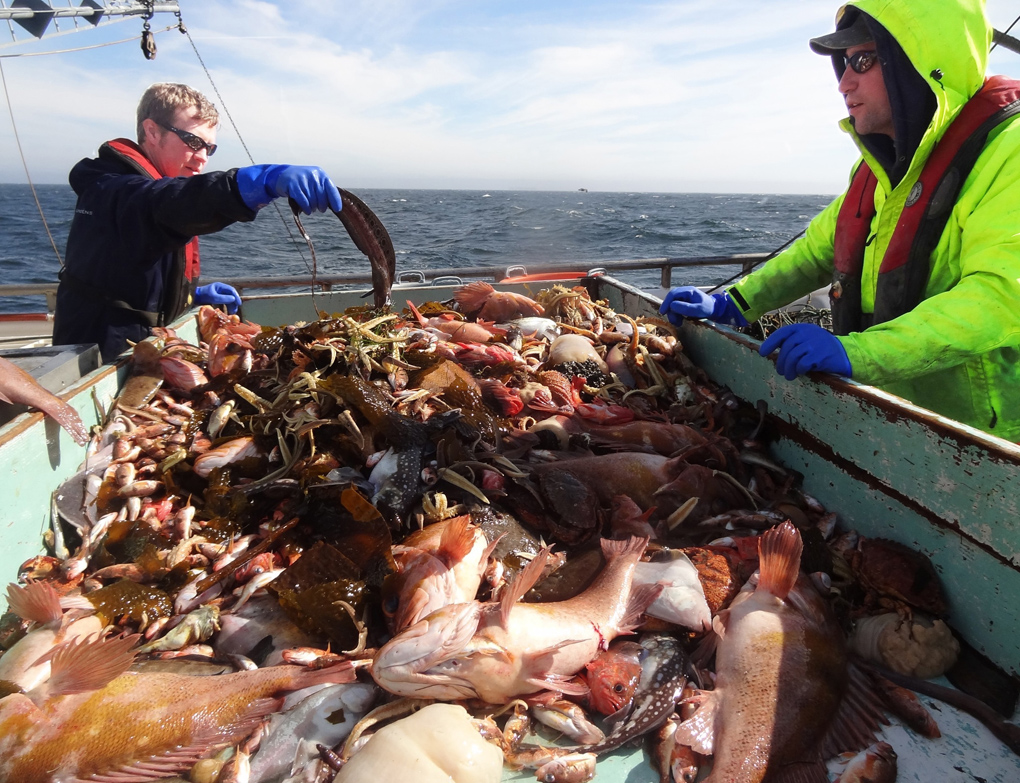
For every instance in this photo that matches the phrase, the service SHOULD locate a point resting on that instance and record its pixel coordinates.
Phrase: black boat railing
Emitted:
(327, 282)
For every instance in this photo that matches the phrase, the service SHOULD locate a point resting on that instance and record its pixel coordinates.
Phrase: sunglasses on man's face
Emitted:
(192, 140)
(861, 62)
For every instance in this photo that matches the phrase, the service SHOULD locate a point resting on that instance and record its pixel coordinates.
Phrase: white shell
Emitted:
(438, 744)
(920, 647)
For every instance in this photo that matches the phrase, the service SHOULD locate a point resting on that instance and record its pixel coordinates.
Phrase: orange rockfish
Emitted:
(439, 565)
(781, 673)
(94, 720)
(496, 651)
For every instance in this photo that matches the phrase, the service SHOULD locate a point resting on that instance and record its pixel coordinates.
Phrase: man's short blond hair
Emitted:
(161, 102)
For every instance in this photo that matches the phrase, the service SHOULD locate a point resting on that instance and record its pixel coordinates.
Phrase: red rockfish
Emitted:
(438, 565)
(781, 674)
(497, 651)
(94, 720)
(613, 676)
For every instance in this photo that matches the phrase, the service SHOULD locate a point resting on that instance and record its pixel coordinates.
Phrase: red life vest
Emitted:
(905, 267)
(179, 288)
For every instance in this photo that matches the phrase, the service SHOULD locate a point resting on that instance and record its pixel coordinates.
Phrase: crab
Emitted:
(896, 577)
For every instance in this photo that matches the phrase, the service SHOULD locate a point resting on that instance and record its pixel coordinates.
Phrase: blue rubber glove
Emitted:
(309, 186)
(806, 347)
(688, 301)
(218, 294)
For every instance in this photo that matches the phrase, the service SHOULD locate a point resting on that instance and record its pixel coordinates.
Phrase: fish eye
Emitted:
(390, 604)
(618, 688)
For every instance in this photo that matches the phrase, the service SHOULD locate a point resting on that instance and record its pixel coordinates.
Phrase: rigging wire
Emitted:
(1004, 32)
(17, 139)
(286, 224)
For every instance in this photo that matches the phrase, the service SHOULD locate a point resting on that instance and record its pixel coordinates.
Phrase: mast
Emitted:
(36, 15)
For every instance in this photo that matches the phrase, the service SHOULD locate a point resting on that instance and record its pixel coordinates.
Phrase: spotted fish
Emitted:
(663, 676)
(372, 239)
(397, 479)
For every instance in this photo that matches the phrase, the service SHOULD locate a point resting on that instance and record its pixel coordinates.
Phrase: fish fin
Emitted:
(153, 768)
(799, 772)
(525, 580)
(85, 664)
(631, 546)
(411, 612)
(858, 717)
(563, 683)
(457, 540)
(472, 296)
(719, 623)
(417, 313)
(779, 551)
(698, 731)
(484, 559)
(36, 601)
(640, 598)
(5, 398)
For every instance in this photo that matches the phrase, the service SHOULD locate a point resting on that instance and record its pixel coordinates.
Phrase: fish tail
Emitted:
(633, 546)
(779, 551)
(473, 296)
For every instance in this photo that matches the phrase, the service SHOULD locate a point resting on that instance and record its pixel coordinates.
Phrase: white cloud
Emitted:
(690, 95)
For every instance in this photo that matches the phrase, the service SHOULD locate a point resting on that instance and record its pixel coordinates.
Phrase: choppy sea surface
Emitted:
(440, 229)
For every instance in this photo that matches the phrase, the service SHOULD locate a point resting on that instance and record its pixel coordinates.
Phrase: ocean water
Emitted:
(439, 229)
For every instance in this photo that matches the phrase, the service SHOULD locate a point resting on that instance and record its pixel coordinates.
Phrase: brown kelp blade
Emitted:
(372, 239)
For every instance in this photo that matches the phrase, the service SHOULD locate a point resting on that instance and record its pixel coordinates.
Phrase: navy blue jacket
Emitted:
(123, 268)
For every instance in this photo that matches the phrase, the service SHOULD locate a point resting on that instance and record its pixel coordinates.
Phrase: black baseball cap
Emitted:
(841, 40)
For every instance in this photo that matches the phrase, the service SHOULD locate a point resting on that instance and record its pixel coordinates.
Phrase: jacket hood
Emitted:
(947, 43)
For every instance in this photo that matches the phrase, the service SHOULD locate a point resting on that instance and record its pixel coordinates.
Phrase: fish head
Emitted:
(421, 661)
(613, 677)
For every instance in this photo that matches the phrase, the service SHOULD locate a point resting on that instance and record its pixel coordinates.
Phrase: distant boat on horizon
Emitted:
(582, 190)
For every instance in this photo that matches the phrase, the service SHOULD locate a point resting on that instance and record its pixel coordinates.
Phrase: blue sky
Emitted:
(690, 95)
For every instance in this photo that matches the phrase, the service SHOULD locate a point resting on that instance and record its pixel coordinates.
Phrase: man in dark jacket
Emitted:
(132, 252)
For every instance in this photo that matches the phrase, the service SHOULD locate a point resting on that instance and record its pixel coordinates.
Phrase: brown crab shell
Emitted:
(896, 571)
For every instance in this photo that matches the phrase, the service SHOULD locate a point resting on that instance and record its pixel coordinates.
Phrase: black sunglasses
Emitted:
(191, 140)
(861, 62)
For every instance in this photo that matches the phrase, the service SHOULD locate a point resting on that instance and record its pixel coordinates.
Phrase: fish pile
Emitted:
(535, 508)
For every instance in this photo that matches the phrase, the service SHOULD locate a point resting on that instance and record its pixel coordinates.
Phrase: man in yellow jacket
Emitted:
(923, 249)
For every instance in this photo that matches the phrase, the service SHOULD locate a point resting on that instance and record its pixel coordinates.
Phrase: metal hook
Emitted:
(148, 39)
